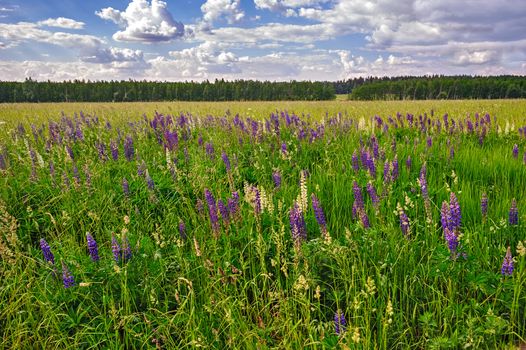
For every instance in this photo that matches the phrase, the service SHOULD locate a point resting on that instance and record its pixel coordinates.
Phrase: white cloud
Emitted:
(144, 22)
(15, 33)
(282, 5)
(216, 9)
(62, 22)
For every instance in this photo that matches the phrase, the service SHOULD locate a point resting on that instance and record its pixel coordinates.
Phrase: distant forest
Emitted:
(370, 88)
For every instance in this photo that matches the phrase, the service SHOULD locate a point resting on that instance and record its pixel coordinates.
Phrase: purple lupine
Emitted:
(429, 142)
(276, 176)
(114, 148)
(358, 198)
(46, 251)
(257, 200)
(212, 210)
(115, 248)
(226, 161)
(67, 277)
(423, 182)
(128, 148)
(452, 241)
(507, 264)
(364, 219)
(355, 162)
(210, 150)
(387, 172)
(149, 181)
(125, 187)
(126, 248)
(298, 227)
(514, 213)
(87, 173)
(371, 166)
(92, 247)
(318, 213)
(484, 205)
(395, 169)
(65, 180)
(233, 204)
(404, 223)
(223, 210)
(452, 152)
(445, 216)
(200, 140)
(3, 165)
(372, 193)
(76, 175)
(515, 151)
(141, 168)
(339, 323)
(182, 230)
(456, 216)
(408, 162)
(284, 148)
(70, 152)
(101, 150)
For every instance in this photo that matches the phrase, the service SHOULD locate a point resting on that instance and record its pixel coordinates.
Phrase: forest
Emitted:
(368, 88)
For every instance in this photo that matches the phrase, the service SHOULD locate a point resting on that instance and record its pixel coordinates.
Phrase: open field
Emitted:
(320, 226)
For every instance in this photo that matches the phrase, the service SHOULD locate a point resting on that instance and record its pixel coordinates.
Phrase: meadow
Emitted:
(263, 225)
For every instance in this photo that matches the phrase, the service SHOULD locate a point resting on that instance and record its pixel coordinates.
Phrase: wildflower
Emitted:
(92, 247)
(126, 248)
(46, 250)
(125, 187)
(339, 322)
(514, 213)
(515, 151)
(115, 248)
(67, 277)
(276, 176)
(445, 216)
(226, 161)
(404, 222)
(210, 150)
(484, 204)
(149, 181)
(182, 230)
(114, 150)
(507, 264)
(354, 161)
(394, 169)
(358, 198)
(297, 224)
(128, 148)
(456, 216)
(318, 213)
(408, 162)
(223, 209)
(452, 241)
(212, 210)
(372, 193)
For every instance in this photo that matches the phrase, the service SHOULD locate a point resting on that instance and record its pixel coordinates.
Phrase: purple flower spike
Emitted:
(114, 150)
(452, 241)
(445, 216)
(125, 187)
(67, 277)
(46, 250)
(129, 151)
(507, 264)
(514, 213)
(484, 204)
(276, 176)
(515, 151)
(355, 162)
(226, 161)
(339, 323)
(372, 193)
(358, 198)
(456, 216)
(92, 248)
(223, 209)
(126, 248)
(404, 223)
(318, 213)
(182, 230)
(297, 224)
(115, 248)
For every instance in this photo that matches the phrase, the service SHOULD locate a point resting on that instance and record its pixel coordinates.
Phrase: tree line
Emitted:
(363, 88)
(440, 87)
(131, 90)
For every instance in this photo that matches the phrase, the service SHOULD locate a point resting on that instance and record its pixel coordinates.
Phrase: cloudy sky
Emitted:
(259, 39)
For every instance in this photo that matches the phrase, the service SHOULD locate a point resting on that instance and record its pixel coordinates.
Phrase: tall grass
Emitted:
(247, 283)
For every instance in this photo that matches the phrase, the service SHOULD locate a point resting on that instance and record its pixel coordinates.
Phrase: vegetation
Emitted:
(440, 87)
(255, 230)
(131, 91)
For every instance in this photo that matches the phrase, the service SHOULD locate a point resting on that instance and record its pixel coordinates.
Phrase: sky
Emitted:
(277, 40)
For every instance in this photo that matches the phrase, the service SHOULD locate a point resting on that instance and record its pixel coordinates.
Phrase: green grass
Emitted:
(248, 285)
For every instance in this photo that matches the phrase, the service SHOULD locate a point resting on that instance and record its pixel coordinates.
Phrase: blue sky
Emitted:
(259, 39)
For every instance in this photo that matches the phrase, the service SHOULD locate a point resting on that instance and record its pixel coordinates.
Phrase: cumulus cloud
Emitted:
(216, 9)
(14, 33)
(62, 22)
(283, 5)
(144, 22)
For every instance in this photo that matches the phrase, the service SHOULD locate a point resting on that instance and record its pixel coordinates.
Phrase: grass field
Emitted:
(321, 226)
